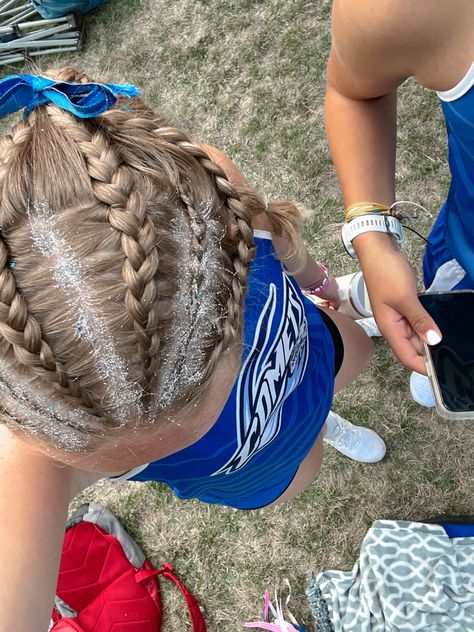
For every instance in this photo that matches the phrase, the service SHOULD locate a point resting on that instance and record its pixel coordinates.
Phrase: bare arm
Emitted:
(376, 46)
(34, 497)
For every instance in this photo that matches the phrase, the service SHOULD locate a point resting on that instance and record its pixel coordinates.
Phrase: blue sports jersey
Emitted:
(452, 237)
(277, 406)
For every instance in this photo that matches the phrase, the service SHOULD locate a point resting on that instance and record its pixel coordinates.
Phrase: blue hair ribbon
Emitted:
(84, 100)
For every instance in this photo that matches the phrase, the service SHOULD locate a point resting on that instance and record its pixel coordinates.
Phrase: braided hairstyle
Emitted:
(123, 227)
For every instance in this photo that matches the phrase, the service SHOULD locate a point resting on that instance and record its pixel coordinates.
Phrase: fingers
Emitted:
(329, 299)
(398, 311)
(409, 353)
(417, 344)
(422, 323)
(401, 337)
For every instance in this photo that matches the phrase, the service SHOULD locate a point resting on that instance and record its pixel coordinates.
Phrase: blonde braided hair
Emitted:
(116, 185)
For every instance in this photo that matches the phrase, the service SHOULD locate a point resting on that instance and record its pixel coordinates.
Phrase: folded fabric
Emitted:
(410, 577)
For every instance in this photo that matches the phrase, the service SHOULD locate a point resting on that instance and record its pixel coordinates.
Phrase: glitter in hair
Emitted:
(28, 408)
(122, 395)
(196, 306)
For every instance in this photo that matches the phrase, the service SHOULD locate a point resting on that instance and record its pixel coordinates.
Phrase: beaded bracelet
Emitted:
(319, 286)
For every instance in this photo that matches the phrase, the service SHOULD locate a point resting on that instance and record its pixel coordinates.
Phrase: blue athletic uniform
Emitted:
(276, 408)
(449, 260)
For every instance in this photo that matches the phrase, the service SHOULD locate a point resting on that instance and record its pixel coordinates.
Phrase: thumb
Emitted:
(423, 325)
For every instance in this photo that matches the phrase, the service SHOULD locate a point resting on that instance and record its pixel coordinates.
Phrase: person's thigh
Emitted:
(306, 473)
(358, 349)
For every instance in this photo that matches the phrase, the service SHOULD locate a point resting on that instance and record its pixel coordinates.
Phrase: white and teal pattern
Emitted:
(410, 577)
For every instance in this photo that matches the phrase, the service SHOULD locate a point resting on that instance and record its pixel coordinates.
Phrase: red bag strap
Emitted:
(197, 619)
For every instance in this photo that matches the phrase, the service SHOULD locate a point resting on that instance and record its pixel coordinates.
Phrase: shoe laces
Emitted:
(343, 433)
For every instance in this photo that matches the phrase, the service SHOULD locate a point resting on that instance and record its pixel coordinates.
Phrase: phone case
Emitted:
(440, 407)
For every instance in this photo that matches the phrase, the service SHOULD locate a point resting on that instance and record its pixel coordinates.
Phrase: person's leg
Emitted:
(307, 472)
(358, 348)
(356, 442)
(357, 351)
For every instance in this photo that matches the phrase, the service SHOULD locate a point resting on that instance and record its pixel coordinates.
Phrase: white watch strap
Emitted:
(378, 223)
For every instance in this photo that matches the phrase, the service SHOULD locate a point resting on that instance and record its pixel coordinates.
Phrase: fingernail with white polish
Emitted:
(432, 337)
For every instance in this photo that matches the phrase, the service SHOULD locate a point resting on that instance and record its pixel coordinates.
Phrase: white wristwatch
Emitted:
(378, 223)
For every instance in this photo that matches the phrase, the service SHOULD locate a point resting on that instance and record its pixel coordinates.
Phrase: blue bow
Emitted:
(84, 100)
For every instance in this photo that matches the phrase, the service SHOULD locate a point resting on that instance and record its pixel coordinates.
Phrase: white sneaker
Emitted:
(358, 443)
(369, 326)
(420, 389)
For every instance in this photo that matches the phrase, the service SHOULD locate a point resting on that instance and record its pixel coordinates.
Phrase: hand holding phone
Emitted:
(450, 363)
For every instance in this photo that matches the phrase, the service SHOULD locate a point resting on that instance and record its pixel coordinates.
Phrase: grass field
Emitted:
(249, 77)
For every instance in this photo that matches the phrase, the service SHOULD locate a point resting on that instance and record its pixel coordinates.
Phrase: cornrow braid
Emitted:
(18, 328)
(114, 186)
(238, 246)
(240, 229)
(23, 332)
(240, 232)
(126, 196)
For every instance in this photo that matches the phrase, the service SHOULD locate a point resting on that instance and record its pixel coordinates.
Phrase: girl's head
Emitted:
(124, 254)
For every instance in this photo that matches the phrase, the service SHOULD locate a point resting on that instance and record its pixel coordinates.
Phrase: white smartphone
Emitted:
(450, 364)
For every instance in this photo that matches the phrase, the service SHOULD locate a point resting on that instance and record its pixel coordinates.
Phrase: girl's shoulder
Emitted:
(377, 45)
(236, 178)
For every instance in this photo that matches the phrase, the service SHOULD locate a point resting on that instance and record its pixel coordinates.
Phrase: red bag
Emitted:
(105, 582)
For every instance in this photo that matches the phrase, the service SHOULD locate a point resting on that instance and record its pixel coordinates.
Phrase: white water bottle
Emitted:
(354, 297)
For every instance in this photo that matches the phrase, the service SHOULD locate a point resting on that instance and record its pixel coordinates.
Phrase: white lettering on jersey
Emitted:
(272, 370)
